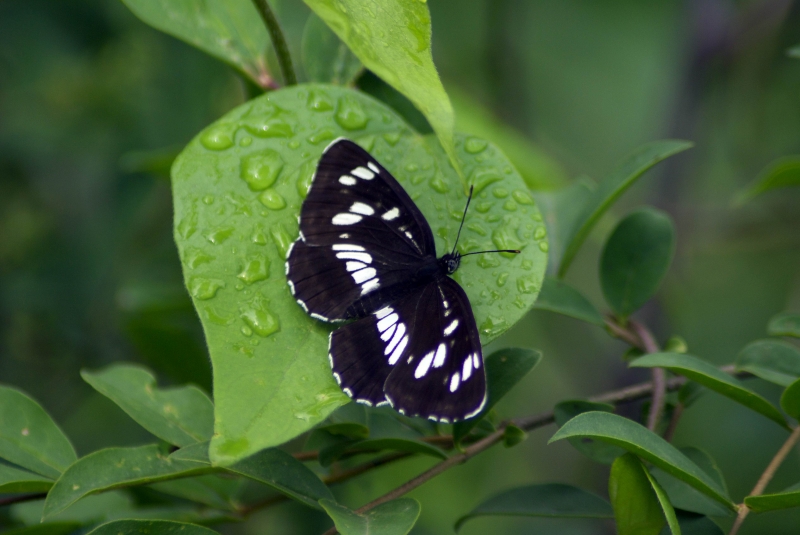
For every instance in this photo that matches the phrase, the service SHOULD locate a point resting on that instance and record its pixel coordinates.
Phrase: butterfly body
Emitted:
(366, 255)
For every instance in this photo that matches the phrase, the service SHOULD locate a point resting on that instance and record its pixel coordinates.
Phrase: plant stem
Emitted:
(278, 41)
(765, 478)
(529, 423)
(659, 375)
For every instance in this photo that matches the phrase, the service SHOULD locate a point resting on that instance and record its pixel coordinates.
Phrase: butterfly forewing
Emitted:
(360, 233)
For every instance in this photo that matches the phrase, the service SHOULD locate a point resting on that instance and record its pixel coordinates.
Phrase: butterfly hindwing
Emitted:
(360, 233)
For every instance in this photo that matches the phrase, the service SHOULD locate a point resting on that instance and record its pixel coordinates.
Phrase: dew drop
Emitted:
(196, 257)
(483, 207)
(504, 239)
(476, 228)
(202, 288)
(240, 204)
(215, 317)
(518, 302)
(294, 144)
(417, 179)
(392, 138)
(263, 322)
(543, 246)
(482, 177)
(270, 128)
(527, 285)
(474, 145)
(261, 169)
(272, 199)
(527, 265)
(325, 134)
(540, 232)
(319, 101)
(247, 331)
(259, 238)
(500, 193)
(256, 268)
(537, 216)
(439, 185)
(281, 238)
(487, 261)
(522, 197)
(510, 206)
(366, 142)
(218, 137)
(412, 167)
(350, 115)
(246, 141)
(502, 278)
(208, 200)
(188, 224)
(493, 218)
(219, 236)
(493, 325)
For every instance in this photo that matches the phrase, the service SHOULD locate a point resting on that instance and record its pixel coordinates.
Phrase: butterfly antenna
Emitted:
(463, 217)
(515, 251)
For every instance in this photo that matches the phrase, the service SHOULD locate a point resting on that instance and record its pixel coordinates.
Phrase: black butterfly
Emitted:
(366, 253)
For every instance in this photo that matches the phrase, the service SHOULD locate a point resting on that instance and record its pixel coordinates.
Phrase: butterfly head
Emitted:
(450, 262)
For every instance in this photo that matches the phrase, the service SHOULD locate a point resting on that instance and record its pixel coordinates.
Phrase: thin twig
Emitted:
(673, 422)
(765, 478)
(24, 498)
(278, 41)
(618, 331)
(659, 375)
(529, 423)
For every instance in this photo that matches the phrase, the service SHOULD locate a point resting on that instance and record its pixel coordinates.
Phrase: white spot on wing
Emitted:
(454, 382)
(347, 247)
(364, 275)
(450, 328)
(363, 172)
(476, 361)
(387, 322)
(391, 214)
(370, 285)
(410, 237)
(373, 167)
(345, 219)
(347, 180)
(441, 354)
(388, 334)
(401, 331)
(423, 366)
(382, 313)
(466, 371)
(361, 257)
(361, 208)
(398, 351)
(354, 266)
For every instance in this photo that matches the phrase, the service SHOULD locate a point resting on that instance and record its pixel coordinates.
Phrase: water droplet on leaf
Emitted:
(256, 268)
(272, 199)
(218, 137)
(202, 288)
(474, 145)
(220, 235)
(350, 115)
(261, 169)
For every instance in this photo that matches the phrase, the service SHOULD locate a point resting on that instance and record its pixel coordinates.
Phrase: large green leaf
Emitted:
(326, 58)
(688, 498)
(238, 188)
(113, 468)
(396, 517)
(666, 506)
(635, 259)
(782, 173)
(773, 502)
(550, 500)
(558, 296)
(790, 400)
(210, 489)
(610, 189)
(636, 507)
(642, 442)
(597, 450)
(785, 324)
(91, 510)
(30, 438)
(50, 528)
(775, 361)
(14, 480)
(692, 524)
(392, 38)
(231, 31)
(150, 527)
(180, 416)
(713, 378)
(504, 369)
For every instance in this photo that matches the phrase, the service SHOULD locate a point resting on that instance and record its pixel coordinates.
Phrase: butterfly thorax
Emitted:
(450, 262)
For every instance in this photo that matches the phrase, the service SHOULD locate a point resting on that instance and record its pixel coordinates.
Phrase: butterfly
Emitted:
(366, 253)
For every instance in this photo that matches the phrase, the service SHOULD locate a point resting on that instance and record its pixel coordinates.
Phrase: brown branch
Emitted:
(659, 375)
(623, 395)
(673, 422)
(765, 478)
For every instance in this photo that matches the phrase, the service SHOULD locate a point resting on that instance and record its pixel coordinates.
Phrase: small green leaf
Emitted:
(666, 506)
(676, 344)
(231, 31)
(513, 435)
(562, 210)
(211, 490)
(597, 450)
(179, 416)
(504, 369)
(635, 259)
(551, 500)
(197, 453)
(636, 507)
(775, 361)
(284, 473)
(782, 173)
(558, 296)
(396, 517)
(50, 528)
(150, 527)
(13, 480)
(790, 400)
(272, 378)
(712, 378)
(784, 324)
(113, 468)
(773, 502)
(610, 189)
(640, 441)
(327, 59)
(346, 429)
(31, 439)
(687, 498)
(392, 38)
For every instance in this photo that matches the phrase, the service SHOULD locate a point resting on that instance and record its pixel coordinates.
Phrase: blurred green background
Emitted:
(93, 103)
